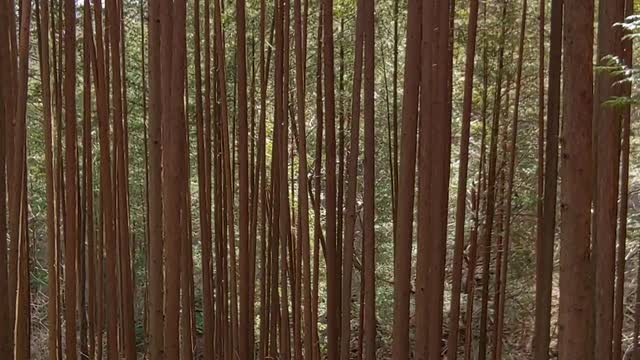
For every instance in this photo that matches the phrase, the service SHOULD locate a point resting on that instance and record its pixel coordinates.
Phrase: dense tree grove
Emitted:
(319, 179)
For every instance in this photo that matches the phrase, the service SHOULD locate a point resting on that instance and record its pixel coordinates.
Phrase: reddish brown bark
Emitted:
(71, 196)
(246, 323)
(317, 180)
(491, 193)
(369, 240)
(303, 199)
(156, 278)
(333, 273)
(606, 129)
(173, 139)
(88, 270)
(52, 241)
(203, 155)
(433, 168)
(540, 351)
(576, 186)
(352, 179)
(509, 190)
(6, 333)
(461, 202)
(406, 181)
(624, 203)
(545, 245)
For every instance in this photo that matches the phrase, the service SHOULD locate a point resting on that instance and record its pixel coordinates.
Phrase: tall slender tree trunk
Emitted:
(512, 150)
(89, 346)
(406, 181)
(226, 169)
(18, 196)
(545, 246)
(369, 238)
(187, 326)
(120, 187)
(476, 205)
(145, 124)
(14, 180)
(473, 255)
(500, 219)
(352, 167)
(461, 199)
(394, 168)
(541, 160)
(576, 187)
(303, 197)
(156, 293)
(433, 167)
(491, 192)
(624, 202)
(606, 127)
(6, 333)
(287, 251)
(340, 174)
(264, 312)
(52, 241)
(71, 196)
(246, 323)
(333, 272)
(106, 187)
(317, 181)
(59, 179)
(173, 139)
(203, 173)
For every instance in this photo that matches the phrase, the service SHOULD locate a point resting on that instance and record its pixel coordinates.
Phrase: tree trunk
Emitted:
(606, 127)
(624, 205)
(173, 140)
(317, 181)
(246, 323)
(491, 192)
(333, 271)
(509, 192)
(369, 239)
(352, 167)
(156, 243)
(52, 241)
(88, 346)
(576, 187)
(461, 199)
(406, 181)
(71, 196)
(303, 199)
(6, 332)
(545, 245)
(433, 169)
